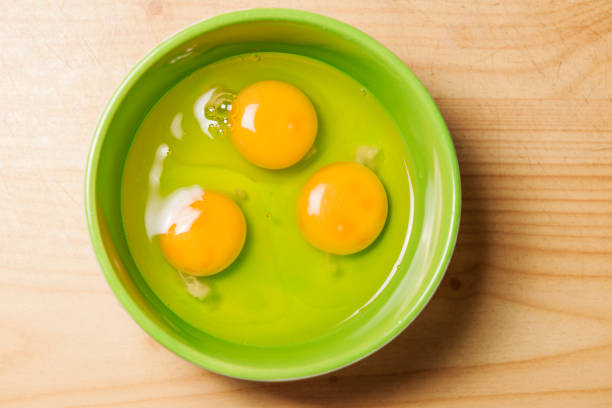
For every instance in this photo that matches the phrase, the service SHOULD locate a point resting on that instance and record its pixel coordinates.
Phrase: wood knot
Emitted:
(155, 7)
(455, 284)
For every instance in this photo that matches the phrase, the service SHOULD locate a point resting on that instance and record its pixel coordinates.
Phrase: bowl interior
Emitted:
(435, 187)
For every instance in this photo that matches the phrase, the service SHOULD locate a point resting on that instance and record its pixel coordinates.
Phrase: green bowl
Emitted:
(436, 187)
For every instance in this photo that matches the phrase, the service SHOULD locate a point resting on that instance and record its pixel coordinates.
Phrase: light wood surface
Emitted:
(524, 315)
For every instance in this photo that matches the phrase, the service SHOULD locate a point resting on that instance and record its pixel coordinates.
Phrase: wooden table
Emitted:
(524, 315)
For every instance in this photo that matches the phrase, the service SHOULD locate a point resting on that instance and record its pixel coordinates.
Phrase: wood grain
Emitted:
(524, 315)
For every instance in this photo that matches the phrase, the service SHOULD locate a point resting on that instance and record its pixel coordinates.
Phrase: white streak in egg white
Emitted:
(366, 155)
(248, 117)
(195, 288)
(175, 209)
(198, 111)
(156, 169)
(315, 198)
(175, 127)
(162, 213)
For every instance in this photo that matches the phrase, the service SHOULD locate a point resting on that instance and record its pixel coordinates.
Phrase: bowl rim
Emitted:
(158, 52)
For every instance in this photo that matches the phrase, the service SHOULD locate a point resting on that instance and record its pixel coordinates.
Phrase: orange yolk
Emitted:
(212, 242)
(342, 208)
(273, 124)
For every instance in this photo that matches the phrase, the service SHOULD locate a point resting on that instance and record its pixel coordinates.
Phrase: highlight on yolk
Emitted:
(342, 208)
(272, 124)
(207, 236)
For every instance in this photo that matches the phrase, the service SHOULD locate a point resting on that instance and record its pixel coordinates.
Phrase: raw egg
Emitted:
(342, 208)
(272, 124)
(206, 236)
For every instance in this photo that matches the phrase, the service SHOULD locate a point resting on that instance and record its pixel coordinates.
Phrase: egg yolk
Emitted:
(272, 124)
(213, 240)
(342, 208)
